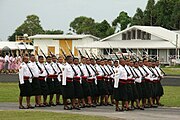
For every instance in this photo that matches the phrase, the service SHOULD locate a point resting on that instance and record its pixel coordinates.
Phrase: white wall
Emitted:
(83, 41)
(43, 44)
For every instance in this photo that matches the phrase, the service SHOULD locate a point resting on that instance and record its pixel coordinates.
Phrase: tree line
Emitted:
(164, 13)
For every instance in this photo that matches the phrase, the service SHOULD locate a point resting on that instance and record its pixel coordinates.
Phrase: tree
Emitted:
(82, 25)
(149, 13)
(31, 26)
(138, 18)
(123, 20)
(53, 32)
(175, 17)
(164, 11)
(103, 29)
(85, 25)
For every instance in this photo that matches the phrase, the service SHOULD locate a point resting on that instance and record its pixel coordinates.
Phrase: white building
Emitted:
(159, 42)
(53, 43)
(6, 46)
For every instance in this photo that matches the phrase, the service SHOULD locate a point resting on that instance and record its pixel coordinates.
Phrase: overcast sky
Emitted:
(57, 14)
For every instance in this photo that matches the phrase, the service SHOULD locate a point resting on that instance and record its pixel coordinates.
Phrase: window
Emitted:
(143, 35)
(172, 52)
(133, 34)
(128, 35)
(138, 34)
(123, 36)
(148, 36)
(152, 52)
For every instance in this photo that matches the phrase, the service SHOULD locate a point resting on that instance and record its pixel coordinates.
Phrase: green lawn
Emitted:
(9, 93)
(37, 115)
(172, 71)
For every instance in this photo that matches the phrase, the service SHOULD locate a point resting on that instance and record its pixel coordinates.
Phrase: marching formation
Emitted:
(89, 82)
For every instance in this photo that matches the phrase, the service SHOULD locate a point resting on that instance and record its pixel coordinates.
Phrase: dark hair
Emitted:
(32, 55)
(75, 58)
(115, 61)
(53, 56)
(39, 57)
(68, 57)
(82, 57)
(48, 57)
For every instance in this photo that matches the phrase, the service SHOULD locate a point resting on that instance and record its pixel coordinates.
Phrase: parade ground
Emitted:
(9, 105)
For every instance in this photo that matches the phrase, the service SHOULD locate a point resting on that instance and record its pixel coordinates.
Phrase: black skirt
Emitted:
(120, 93)
(57, 86)
(44, 87)
(68, 90)
(150, 89)
(36, 88)
(109, 87)
(130, 92)
(123, 92)
(96, 92)
(50, 84)
(86, 88)
(25, 89)
(144, 90)
(160, 90)
(78, 90)
(139, 91)
(102, 88)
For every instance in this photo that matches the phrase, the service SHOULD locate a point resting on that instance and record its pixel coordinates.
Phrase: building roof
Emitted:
(154, 30)
(59, 37)
(158, 44)
(15, 45)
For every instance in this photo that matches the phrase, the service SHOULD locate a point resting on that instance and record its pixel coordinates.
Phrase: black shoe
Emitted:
(110, 104)
(88, 105)
(147, 106)
(22, 107)
(140, 108)
(97, 104)
(93, 105)
(30, 107)
(52, 104)
(119, 110)
(154, 106)
(77, 108)
(67, 108)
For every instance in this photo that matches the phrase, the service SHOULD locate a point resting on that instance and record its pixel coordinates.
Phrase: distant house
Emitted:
(159, 42)
(15, 47)
(53, 43)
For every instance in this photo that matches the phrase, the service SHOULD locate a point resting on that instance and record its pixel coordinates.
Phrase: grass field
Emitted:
(9, 93)
(172, 71)
(37, 115)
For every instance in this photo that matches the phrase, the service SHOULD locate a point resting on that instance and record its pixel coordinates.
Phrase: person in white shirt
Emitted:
(36, 88)
(149, 83)
(123, 85)
(108, 81)
(77, 81)
(60, 66)
(24, 84)
(138, 86)
(86, 86)
(7, 61)
(50, 80)
(42, 81)
(102, 88)
(67, 84)
(157, 83)
(116, 86)
(57, 80)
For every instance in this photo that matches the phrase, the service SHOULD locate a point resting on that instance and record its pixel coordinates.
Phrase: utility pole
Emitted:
(177, 55)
